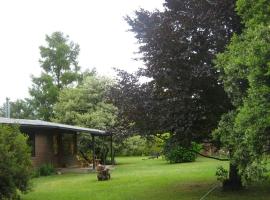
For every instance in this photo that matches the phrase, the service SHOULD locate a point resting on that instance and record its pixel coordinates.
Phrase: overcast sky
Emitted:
(97, 26)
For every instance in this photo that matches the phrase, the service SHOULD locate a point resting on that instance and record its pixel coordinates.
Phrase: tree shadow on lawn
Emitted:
(176, 191)
(259, 191)
(196, 190)
(141, 161)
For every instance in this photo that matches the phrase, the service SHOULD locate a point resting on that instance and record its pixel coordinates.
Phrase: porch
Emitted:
(80, 170)
(55, 143)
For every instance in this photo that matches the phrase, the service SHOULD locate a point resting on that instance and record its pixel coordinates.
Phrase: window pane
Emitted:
(31, 143)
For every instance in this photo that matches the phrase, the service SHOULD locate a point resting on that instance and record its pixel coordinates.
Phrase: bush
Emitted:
(140, 146)
(221, 174)
(134, 146)
(178, 154)
(15, 162)
(45, 170)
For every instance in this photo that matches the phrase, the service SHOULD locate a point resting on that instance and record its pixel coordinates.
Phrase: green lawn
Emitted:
(135, 178)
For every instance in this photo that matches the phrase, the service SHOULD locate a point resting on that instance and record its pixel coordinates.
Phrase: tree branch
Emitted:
(212, 157)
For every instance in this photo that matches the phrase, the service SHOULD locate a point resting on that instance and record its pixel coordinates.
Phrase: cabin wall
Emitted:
(66, 150)
(43, 150)
(49, 149)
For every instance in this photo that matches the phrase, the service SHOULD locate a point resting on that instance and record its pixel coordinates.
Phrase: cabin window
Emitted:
(74, 145)
(68, 144)
(55, 145)
(32, 144)
(72, 149)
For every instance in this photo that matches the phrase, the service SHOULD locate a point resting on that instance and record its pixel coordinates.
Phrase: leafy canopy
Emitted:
(87, 104)
(245, 73)
(60, 70)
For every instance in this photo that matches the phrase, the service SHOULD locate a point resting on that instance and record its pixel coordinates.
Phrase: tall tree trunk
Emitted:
(234, 181)
(113, 158)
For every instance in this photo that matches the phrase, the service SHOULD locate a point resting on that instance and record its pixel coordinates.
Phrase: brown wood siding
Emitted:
(43, 149)
(44, 152)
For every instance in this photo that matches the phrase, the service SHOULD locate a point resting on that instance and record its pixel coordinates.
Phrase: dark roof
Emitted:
(44, 124)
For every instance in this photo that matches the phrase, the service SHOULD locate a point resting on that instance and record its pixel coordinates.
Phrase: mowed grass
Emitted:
(138, 179)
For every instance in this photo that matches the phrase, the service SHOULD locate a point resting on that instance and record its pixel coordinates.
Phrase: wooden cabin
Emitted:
(52, 143)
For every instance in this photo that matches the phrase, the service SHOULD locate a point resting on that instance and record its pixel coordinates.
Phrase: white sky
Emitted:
(97, 26)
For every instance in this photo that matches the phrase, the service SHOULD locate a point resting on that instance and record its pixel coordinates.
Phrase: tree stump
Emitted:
(103, 173)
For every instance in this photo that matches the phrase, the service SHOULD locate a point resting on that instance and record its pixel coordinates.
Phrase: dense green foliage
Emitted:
(221, 174)
(253, 12)
(60, 70)
(134, 146)
(145, 179)
(45, 170)
(183, 95)
(86, 105)
(15, 164)
(59, 59)
(138, 146)
(22, 109)
(245, 73)
(178, 154)
(44, 94)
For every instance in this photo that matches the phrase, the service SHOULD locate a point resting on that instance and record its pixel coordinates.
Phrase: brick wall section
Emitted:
(44, 152)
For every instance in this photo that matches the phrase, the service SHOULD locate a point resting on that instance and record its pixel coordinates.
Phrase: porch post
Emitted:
(111, 146)
(104, 155)
(60, 150)
(94, 152)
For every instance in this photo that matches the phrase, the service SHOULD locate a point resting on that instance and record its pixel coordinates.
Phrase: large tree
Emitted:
(21, 109)
(87, 105)
(59, 70)
(177, 45)
(59, 59)
(244, 68)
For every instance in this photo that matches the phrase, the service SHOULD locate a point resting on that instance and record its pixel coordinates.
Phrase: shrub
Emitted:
(46, 170)
(178, 154)
(15, 162)
(221, 174)
(134, 146)
(140, 146)
(155, 144)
